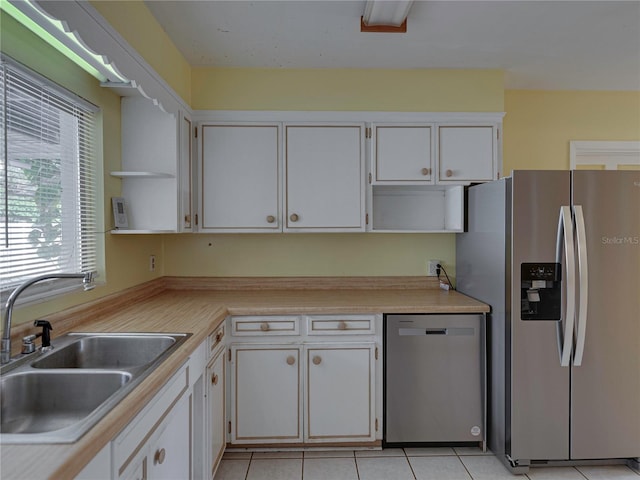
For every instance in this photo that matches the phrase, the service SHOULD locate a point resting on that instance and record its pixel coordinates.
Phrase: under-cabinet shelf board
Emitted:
(127, 231)
(127, 174)
(410, 230)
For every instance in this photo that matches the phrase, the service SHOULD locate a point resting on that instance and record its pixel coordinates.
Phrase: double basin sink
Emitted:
(58, 396)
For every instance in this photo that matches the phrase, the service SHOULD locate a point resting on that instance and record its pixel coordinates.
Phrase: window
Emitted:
(47, 184)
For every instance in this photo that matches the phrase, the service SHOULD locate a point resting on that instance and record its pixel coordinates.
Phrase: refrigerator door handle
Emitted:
(564, 242)
(583, 272)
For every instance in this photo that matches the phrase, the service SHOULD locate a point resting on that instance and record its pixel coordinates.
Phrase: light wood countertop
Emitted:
(198, 306)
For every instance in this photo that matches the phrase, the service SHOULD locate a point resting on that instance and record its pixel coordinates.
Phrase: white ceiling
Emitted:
(576, 45)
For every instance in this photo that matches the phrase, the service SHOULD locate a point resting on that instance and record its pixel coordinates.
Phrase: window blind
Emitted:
(48, 185)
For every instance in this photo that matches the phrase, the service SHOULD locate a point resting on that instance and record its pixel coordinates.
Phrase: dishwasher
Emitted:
(434, 388)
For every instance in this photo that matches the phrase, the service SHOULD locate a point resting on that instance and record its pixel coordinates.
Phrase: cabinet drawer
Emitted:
(341, 325)
(271, 325)
(216, 340)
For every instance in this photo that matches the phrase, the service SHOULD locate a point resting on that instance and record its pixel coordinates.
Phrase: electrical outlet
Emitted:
(152, 263)
(432, 266)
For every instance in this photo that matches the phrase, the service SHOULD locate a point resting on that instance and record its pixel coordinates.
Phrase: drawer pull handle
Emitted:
(271, 219)
(449, 173)
(159, 456)
(294, 217)
(342, 325)
(317, 360)
(291, 360)
(218, 337)
(426, 171)
(214, 379)
(264, 326)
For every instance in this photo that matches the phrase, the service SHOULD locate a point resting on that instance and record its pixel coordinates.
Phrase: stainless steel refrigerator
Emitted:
(557, 256)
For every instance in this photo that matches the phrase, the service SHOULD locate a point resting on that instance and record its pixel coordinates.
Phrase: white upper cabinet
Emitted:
(332, 172)
(240, 177)
(156, 168)
(402, 153)
(418, 170)
(324, 177)
(467, 153)
(405, 153)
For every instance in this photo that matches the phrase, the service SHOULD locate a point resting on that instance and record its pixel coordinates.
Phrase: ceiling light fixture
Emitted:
(388, 16)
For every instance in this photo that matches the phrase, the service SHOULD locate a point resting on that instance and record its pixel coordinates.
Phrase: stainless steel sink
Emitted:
(57, 396)
(36, 402)
(108, 351)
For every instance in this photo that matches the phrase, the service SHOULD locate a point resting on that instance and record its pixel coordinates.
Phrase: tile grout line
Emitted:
(355, 460)
(463, 465)
(409, 462)
(580, 472)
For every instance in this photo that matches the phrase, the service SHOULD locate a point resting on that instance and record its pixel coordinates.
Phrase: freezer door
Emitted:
(538, 410)
(605, 390)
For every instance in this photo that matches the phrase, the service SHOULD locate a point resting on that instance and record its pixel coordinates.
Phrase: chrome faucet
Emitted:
(87, 282)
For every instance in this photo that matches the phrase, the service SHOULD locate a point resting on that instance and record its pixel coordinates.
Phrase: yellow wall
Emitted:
(126, 256)
(328, 89)
(347, 89)
(348, 254)
(133, 20)
(539, 124)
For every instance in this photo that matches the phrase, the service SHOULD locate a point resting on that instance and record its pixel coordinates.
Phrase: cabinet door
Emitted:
(137, 472)
(266, 401)
(240, 177)
(402, 153)
(324, 177)
(170, 450)
(340, 394)
(187, 220)
(466, 153)
(216, 374)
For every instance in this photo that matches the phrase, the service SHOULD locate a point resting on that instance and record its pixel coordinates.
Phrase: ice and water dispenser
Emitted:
(540, 287)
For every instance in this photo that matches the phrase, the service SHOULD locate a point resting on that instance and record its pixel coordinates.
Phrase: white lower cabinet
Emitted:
(216, 412)
(266, 399)
(320, 386)
(157, 443)
(170, 448)
(339, 397)
(166, 455)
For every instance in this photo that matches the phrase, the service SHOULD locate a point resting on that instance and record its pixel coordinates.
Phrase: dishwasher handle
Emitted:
(415, 332)
(435, 331)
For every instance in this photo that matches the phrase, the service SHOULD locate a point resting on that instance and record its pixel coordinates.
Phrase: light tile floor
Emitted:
(397, 464)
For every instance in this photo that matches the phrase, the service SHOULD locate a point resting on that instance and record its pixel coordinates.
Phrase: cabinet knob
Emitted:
(449, 173)
(159, 456)
(294, 217)
(271, 219)
(291, 360)
(317, 360)
(264, 326)
(426, 171)
(214, 379)
(342, 325)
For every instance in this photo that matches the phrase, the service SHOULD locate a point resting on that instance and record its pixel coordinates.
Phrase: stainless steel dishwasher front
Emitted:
(434, 379)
